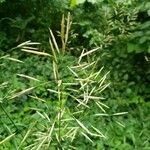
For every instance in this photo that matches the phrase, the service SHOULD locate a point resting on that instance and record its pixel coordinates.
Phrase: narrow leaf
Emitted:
(36, 52)
(7, 138)
(54, 40)
(86, 137)
(14, 59)
(28, 77)
(22, 92)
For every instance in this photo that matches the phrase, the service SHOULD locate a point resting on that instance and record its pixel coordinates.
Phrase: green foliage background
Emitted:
(120, 28)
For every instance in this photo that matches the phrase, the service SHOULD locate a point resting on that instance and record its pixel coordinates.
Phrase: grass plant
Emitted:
(71, 112)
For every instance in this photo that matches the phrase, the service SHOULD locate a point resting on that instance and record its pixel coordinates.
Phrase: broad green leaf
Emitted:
(148, 12)
(133, 48)
(73, 3)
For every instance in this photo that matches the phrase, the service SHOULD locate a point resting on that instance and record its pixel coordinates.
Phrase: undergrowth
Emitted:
(53, 100)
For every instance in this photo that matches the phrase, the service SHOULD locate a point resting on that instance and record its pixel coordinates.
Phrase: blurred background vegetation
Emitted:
(121, 30)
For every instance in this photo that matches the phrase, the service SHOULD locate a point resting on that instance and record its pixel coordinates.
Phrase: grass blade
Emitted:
(14, 59)
(25, 137)
(120, 113)
(7, 138)
(22, 92)
(28, 77)
(82, 126)
(86, 137)
(36, 52)
(54, 40)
